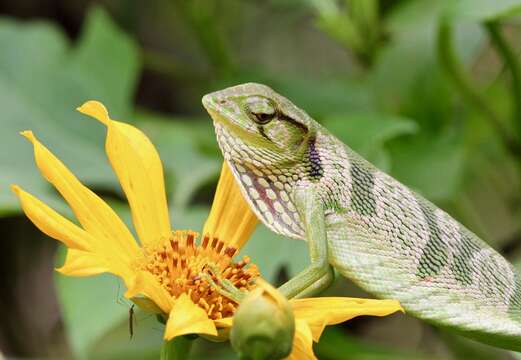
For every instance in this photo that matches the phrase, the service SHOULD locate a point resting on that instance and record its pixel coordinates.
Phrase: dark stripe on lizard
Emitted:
(435, 253)
(315, 163)
(363, 197)
(462, 266)
(514, 308)
(281, 116)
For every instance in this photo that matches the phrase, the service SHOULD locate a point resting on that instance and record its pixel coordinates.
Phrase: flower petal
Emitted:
(146, 305)
(188, 318)
(224, 322)
(53, 224)
(146, 284)
(302, 343)
(140, 172)
(322, 311)
(231, 218)
(96, 217)
(84, 256)
(83, 263)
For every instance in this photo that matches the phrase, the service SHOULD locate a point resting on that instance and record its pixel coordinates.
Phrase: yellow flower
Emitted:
(169, 267)
(169, 271)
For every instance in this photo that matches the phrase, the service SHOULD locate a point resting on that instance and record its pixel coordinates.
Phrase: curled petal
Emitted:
(231, 218)
(224, 322)
(188, 318)
(96, 217)
(83, 263)
(322, 311)
(302, 343)
(140, 172)
(146, 284)
(53, 224)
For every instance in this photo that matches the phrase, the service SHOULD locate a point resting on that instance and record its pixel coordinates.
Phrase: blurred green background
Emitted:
(429, 91)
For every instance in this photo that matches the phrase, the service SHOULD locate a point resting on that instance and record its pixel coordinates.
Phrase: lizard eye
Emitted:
(263, 118)
(260, 109)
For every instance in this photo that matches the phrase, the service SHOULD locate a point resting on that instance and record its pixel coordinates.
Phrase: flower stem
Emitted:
(510, 58)
(202, 17)
(454, 69)
(176, 349)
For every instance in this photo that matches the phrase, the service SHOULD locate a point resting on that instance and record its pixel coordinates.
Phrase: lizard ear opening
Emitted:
(285, 133)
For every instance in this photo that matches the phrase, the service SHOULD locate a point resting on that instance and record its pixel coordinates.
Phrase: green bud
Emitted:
(263, 325)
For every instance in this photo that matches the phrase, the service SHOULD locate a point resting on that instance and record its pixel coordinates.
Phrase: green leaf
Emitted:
(42, 80)
(367, 133)
(325, 96)
(482, 10)
(105, 63)
(409, 61)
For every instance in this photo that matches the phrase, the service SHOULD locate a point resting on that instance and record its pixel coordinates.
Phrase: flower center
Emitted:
(182, 266)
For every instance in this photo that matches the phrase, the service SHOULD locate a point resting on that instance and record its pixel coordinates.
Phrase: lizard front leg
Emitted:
(319, 274)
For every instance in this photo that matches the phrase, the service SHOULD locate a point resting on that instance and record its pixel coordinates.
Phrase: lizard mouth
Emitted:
(217, 113)
(228, 122)
(225, 111)
(208, 101)
(210, 106)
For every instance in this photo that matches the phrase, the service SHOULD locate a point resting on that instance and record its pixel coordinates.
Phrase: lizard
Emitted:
(304, 183)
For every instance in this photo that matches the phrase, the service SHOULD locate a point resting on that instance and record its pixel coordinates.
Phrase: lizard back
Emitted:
(396, 244)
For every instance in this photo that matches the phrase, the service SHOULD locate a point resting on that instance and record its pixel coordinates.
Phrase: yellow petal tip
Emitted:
(95, 109)
(16, 189)
(28, 134)
(396, 304)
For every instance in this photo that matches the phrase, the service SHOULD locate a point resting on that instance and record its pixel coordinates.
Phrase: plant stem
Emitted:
(201, 16)
(504, 49)
(176, 349)
(459, 77)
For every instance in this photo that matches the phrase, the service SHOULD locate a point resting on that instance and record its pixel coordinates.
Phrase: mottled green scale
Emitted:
(514, 310)
(464, 252)
(363, 197)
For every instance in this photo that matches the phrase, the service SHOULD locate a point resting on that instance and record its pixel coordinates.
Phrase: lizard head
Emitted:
(266, 140)
(252, 119)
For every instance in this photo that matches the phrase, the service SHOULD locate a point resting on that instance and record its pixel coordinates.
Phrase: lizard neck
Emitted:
(328, 164)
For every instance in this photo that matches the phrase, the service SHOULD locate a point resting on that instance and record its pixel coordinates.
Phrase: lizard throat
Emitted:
(267, 182)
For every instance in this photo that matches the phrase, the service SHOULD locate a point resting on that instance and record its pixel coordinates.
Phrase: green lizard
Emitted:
(302, 182)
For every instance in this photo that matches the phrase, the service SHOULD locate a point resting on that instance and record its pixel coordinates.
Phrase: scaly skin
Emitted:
(304, 183)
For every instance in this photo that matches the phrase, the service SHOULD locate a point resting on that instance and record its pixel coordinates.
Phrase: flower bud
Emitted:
(263, 325)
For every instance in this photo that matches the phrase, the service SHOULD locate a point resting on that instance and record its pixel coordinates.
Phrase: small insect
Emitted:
(131, 312)
(131, 320)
